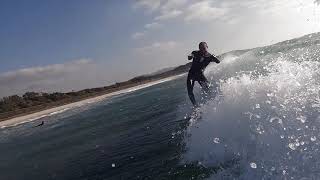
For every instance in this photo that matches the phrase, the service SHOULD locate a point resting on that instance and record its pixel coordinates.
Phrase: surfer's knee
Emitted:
(189, 85)
(190, 89)
(188, 82)
(190, 92)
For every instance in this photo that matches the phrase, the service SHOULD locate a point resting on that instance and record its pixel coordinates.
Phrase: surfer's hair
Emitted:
(202, 43)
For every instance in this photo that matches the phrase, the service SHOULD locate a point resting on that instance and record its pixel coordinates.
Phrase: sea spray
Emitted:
(268, 118)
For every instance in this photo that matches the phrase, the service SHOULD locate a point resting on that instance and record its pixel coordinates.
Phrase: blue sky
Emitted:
(68, 45)
(37, 32)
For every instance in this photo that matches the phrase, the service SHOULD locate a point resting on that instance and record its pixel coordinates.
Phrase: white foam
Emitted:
(266, 119)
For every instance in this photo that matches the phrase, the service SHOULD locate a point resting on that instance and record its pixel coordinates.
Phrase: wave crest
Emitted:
(268, 117)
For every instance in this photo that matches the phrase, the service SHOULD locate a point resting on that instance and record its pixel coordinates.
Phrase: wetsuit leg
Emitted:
(190, 85)
(204, 83)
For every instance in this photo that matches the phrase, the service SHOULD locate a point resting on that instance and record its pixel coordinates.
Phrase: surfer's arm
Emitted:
(214, 59)
(191, 56)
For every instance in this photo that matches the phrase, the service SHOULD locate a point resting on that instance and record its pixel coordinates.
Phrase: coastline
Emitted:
(51, 111)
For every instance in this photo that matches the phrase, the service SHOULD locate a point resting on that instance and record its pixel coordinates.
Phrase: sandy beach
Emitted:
(34, 116)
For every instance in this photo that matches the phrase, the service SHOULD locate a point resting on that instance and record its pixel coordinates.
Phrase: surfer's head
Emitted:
(203, 47)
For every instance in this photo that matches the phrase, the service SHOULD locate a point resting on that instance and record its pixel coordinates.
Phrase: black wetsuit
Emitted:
(199, 63)
(42, 123)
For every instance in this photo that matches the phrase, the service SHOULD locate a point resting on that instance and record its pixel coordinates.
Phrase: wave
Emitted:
(268, 115)
(36, 118)
(82, 105)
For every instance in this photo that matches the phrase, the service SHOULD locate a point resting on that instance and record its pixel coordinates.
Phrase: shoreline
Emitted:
(52, 111)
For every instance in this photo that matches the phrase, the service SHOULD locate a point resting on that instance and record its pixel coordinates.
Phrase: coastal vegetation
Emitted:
(30, 102)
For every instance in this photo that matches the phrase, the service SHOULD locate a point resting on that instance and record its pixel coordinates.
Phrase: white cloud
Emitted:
(162, 5)
(160, 54)
(204, 11)
(158, 47)
(74, 75)
(153, 25)
(167, 9)
(237, 24)
(150, 5)
(168, 15)
(138, 35)
(173, 4)
(39, 73)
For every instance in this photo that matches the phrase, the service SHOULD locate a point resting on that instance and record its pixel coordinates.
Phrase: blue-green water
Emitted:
(125, 137)
(264, 124)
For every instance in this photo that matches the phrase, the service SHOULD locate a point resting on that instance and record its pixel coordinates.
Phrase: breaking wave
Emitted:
(266, 119)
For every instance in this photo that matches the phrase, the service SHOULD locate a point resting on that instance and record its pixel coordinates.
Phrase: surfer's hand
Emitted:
(191, 55)
(214, 59)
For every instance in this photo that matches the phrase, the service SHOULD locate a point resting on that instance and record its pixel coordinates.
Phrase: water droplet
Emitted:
(302, 119)
(284, 172)
(113, 165)
(253, 165)
(250, 114)
(313, 138)
(282, 136)
(259, 130)
(257, 106)
(273, 168)
(292, 146)
(276, 119)
(216, 140)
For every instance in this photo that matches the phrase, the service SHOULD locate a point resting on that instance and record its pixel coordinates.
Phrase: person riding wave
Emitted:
(200, 60)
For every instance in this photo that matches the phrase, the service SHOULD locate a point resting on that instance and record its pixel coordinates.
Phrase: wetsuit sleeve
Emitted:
(191, 56)
(214, 59)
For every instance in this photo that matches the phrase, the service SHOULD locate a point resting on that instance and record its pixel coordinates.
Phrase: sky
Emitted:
(70, 45)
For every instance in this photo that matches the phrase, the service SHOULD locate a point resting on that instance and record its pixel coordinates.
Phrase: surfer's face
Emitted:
(203, 47)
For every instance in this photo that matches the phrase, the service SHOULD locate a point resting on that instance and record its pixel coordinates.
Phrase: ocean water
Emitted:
(263, 124)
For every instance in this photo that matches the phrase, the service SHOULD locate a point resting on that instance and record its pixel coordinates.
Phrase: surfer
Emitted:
(41, 124)
(200, 60)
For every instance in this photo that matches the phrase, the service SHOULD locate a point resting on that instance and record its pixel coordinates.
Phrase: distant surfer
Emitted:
(200, 60)
(41, 124)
